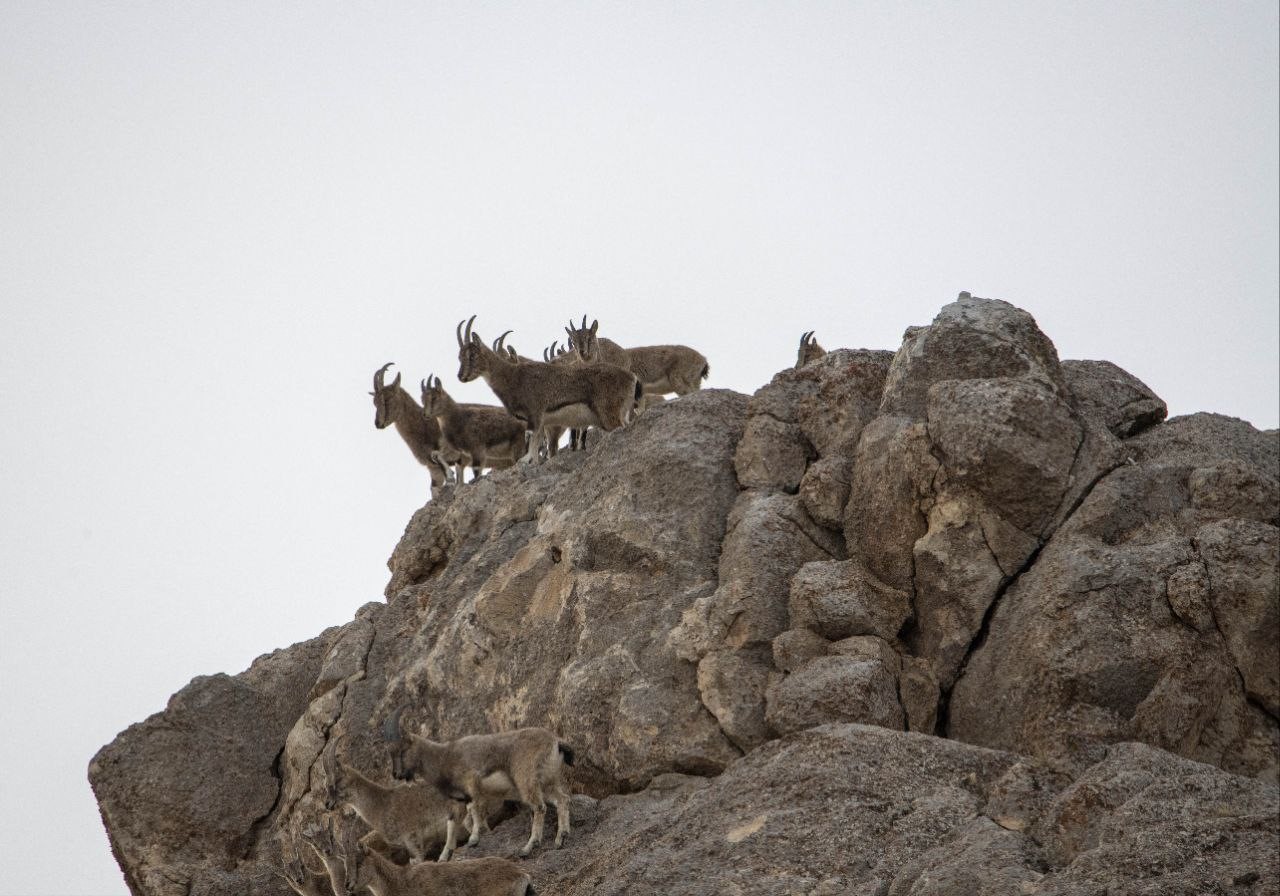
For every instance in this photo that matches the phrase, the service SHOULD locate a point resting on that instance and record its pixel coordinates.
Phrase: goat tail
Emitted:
(706, 371)
(567, 752)
(639, 391)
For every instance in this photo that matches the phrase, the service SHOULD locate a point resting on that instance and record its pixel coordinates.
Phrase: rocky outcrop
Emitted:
(959, 619)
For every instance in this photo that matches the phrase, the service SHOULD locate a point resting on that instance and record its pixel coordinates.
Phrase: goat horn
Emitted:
(467, 335)
(458, 332)
(500, 339)
(584, 323)
(377, 377)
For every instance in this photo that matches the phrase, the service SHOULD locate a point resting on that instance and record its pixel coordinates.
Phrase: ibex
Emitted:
(352, 867)
(301, 879)
(393, 405)
(526, 765)
(809, 350)
(660, 368)
(544, 395)
(555, 354)
(408, 816)
(481, 436)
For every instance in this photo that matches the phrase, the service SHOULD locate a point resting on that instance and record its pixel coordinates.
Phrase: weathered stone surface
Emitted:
(772, 454)
(1240, 558)
(838, 599)
(1144, 818)
(1012, 441)
(824, 489)
(893, 471)
(1116, 399)
(858, 809)
(1104, 651)
(835, 689)
(971, 338)
(562, 620)
(185, 793)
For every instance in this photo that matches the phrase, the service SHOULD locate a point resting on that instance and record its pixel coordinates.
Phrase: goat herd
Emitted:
(593, 382)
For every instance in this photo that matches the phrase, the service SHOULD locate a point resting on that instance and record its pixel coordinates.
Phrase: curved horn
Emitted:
(458, 332)
(498, 341)
(425, 386)
(377, 377)
(467, 336)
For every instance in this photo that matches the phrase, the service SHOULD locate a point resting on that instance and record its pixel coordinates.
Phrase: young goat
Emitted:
(544, 395)
(482, 436)
(301, 879)
(352, 867)
(809, 350)
(526, 765)
(407, 816)
(660, 368)
(393, 405)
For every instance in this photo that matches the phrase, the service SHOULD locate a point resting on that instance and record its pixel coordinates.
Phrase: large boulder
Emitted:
(965, 538)
(854, 809)
(1114, 633)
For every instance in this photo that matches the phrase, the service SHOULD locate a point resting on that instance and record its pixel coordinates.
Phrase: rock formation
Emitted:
(961, 619)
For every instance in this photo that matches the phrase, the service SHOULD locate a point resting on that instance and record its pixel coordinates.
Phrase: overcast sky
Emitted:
(219, 219)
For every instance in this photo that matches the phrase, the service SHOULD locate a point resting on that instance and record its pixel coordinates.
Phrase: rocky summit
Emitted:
(960, 619)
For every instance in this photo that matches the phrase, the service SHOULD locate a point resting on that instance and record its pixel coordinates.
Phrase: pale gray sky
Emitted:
(219, 219)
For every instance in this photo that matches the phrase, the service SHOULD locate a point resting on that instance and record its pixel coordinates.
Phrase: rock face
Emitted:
(960, 619)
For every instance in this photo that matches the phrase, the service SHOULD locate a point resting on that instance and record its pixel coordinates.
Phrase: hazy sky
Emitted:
(219, 219)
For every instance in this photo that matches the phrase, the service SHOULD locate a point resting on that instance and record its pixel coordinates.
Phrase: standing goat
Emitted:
(660, 368)
(544, 395)
(526, 765)
(481, 436)
(809, 350)
(407, 816)
(393, 405)
(352, 867)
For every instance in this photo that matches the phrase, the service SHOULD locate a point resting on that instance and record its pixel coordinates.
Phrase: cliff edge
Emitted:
(959, 619)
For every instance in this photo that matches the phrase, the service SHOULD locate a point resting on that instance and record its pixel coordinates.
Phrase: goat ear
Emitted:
(395, 382)
(595, 325)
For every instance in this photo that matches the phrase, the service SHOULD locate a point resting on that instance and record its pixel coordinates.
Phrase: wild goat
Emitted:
(481, 436)
(526, 765)
(353, 867)
(544, 395)
(407, 816)
(301, 879)
(555, 354)
(809, 350)
(393, 405)
(660, 368)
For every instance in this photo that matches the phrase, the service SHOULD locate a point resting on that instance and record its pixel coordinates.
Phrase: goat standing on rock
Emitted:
(353, 867)
(660, 368)
(544, 395)
(809, 350)
(481, 436)
(393, 405)
(526, 765)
